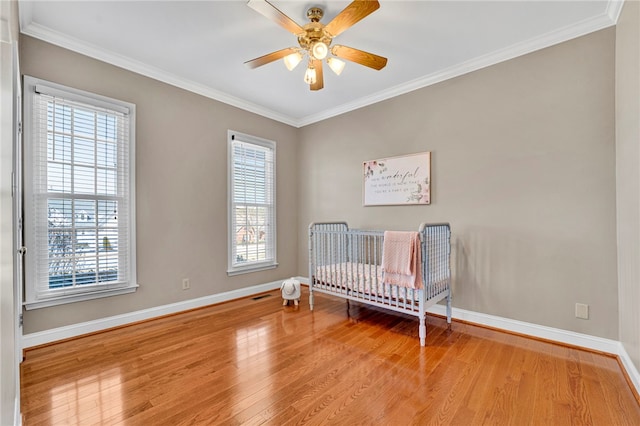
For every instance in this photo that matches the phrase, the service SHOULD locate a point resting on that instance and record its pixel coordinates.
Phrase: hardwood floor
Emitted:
(257, 362)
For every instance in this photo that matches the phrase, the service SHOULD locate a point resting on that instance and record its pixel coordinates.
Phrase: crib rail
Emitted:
(347, 262)
(436, 258)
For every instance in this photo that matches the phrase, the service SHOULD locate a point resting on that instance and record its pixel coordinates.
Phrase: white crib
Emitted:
(346, 263)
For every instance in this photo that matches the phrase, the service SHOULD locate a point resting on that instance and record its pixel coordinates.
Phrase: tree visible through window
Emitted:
(78, 205)
(82, 163)
(252, 203)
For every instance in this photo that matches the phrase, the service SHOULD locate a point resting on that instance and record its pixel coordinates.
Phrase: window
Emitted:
(79, 195)
(252, 204)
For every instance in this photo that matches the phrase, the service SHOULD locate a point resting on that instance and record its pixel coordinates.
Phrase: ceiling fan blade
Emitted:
(273, 56)
(319, 84)
(273, 13)
(351, 14)
(359, 56)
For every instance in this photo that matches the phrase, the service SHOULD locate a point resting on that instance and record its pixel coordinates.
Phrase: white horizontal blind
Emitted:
(252, 209)
(80, 193)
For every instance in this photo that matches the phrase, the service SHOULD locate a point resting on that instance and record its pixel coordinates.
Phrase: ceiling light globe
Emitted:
(291, 61)
(310, 76)
(319, 50)
(336, 65)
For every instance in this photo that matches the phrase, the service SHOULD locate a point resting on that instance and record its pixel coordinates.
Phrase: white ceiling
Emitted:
(201, 45)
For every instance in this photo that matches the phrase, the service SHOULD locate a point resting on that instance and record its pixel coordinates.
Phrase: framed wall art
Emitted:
(404, 180)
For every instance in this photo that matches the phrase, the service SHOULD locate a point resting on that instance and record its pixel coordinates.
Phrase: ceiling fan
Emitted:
(315, 38)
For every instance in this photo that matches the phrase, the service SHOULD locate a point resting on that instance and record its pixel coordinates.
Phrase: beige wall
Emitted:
(181, 175)
(523, 167)
(628, 175)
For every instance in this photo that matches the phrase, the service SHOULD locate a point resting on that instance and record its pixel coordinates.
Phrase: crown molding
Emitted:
(608, 18)
(25, 14)
(614, 7)
(59, 39)
(551, 38)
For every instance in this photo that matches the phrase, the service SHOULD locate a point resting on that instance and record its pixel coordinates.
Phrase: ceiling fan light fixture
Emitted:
(291, 61)
(310, 75)
(315, 40)
(336, 65)
(319, 50)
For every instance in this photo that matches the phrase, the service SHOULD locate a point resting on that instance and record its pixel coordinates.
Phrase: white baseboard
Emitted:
(66, 332)
(586, 341)
(534, 330)
(631, 369)
(529, 329)
(600, 344)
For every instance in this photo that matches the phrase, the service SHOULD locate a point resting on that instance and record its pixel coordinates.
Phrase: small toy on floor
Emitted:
(290, 291)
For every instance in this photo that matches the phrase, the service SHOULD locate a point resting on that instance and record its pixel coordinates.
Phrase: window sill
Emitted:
(252, 268)
(61, 300)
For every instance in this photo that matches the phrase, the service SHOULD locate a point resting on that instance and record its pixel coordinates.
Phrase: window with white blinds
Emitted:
(252, 204)
(79, 195)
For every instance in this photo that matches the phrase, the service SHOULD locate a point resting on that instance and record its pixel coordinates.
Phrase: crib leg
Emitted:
(449, 311)
(311, 300)
(423, 330)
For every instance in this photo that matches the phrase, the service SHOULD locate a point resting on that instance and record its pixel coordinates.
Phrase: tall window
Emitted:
(252, 204)
(79, 195)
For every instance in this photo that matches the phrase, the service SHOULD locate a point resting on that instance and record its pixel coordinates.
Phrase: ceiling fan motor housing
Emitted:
(314, 33)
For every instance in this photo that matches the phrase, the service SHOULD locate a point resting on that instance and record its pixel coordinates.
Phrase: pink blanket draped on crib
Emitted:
(402, 259)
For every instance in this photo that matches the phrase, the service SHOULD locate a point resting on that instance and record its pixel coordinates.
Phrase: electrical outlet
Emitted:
(186, 284)
(582, 311)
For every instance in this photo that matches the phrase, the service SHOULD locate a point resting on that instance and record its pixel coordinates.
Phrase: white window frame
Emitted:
(234, 267)
(36, 294)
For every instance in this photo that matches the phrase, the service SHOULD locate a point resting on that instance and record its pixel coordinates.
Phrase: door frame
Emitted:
(18, 235)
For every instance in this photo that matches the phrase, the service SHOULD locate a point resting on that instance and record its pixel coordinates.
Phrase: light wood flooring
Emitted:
(257, 362)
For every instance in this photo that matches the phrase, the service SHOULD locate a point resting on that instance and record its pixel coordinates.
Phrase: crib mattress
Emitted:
(364, 278)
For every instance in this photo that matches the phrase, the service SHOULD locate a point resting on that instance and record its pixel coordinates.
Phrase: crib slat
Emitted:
(346, 262)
